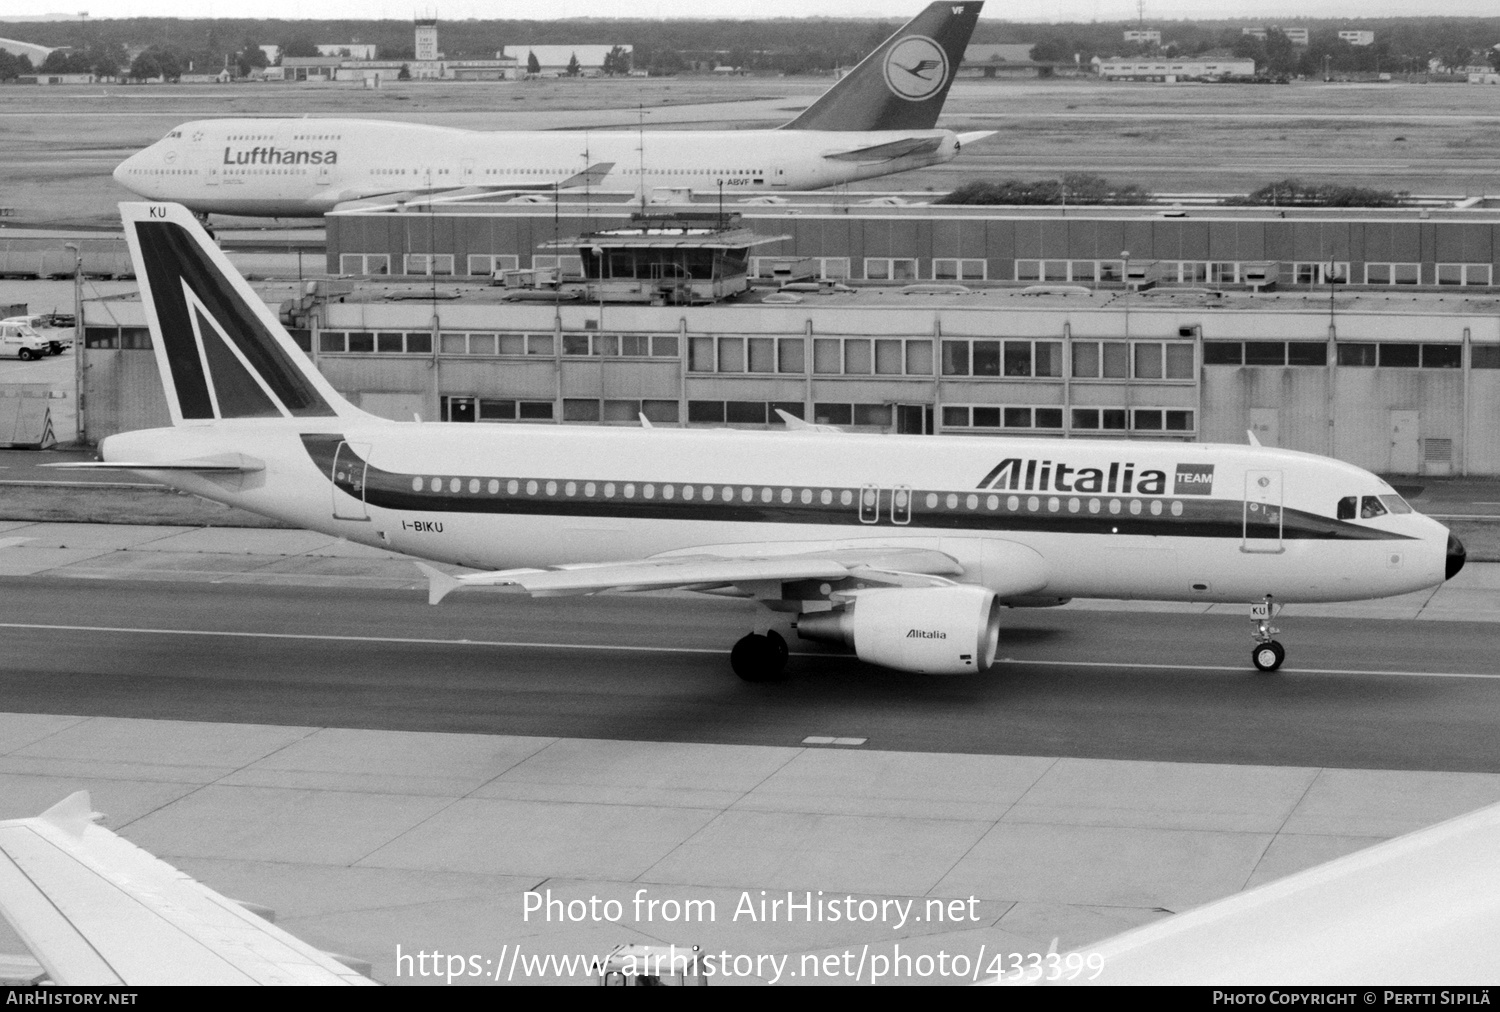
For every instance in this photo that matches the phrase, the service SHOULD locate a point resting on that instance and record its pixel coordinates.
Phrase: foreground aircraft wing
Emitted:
(95, 909)
(1422, 909)
(899, 567)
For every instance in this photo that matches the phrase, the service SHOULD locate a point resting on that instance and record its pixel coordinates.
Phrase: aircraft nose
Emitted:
(1456, 557)
(122, 171)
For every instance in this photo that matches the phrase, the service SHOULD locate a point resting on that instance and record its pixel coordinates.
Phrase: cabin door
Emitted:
(349, 471)
(1262, 516)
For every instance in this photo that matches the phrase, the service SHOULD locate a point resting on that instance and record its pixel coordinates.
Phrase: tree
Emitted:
(12, 66)
(573, 67)
(1281, 54)
(145, 66)
(533, 65)
(298, 48)
(250, 57)
(616, 61)
(404, 74)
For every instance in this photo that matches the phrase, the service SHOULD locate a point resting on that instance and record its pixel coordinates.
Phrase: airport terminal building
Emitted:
(944, 320)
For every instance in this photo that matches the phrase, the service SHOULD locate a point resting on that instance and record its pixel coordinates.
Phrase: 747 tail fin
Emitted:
(221, 352)
(901, 85)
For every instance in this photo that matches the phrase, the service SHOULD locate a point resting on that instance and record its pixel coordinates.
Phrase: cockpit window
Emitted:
(174, 133)
(1396, 504)
(1371, 507)
(1348, 506)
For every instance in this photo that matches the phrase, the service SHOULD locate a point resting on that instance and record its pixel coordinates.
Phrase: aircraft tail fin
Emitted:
(221, 351)
(901, 85)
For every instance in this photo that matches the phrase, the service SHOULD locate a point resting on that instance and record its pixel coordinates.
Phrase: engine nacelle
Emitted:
(932, 630)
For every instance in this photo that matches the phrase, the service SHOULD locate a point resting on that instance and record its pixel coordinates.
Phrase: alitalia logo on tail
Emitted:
(1017, 474)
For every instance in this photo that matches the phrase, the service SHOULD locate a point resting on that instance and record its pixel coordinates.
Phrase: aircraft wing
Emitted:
(95, 909)
(703, 569)
(1422, 909)
(887, 151)
(592, 176)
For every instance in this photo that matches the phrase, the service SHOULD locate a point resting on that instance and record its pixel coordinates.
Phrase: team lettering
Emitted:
(279, 156)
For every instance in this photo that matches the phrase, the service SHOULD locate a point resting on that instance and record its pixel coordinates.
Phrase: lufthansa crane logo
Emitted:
(916, 68)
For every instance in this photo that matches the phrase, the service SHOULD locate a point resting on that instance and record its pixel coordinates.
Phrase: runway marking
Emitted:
(523, 644)
(818, 739)
(1240, 669)
(327, 637)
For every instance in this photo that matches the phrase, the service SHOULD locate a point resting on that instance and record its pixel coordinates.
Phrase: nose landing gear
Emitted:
(757, 658)
(1267, 654)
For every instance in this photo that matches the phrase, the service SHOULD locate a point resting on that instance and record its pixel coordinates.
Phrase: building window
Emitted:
(959, 269)
(1400, 356)
(579, 409)
(1101, 360)
(1099, 419)
(1442, 356)
(754, 413)
(890, 269)
(1356, 354)
(1011, 359)
(1319, 273)
(1464, 274)
(1484, 356)
(1393, 274)
(487, 265)
(1142, 360)
(428, 264)
(496, 410)
(364, 263)
(989, 416)
(571, 265)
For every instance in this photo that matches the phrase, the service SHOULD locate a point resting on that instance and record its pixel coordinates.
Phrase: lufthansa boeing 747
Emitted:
(879, 119)
(904, 549)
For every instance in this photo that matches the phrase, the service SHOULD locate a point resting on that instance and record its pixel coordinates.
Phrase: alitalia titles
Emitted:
(1014, 474)
(279, 156)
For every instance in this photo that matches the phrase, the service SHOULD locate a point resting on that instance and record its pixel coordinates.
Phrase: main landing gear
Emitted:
(1267, 654)
(757, 658)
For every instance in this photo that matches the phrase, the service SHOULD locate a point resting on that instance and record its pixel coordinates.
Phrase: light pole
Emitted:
(1125, 277)
(80, 426)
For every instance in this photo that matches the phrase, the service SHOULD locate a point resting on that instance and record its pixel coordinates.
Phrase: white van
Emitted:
(19, 340)
(53, 340)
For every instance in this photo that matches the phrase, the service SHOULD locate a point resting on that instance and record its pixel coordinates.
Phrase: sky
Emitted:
(1026, 10)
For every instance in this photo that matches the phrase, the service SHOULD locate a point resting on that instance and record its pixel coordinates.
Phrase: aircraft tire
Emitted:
(1268, 656)
(756, 658)
(779, 645)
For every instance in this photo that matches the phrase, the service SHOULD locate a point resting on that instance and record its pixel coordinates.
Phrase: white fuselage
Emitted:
(1155, 520)
(307, 167)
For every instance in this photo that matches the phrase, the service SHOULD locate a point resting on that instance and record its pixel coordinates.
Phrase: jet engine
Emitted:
(932, 630)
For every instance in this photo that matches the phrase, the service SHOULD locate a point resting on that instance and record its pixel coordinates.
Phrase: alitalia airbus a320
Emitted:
(905, 549)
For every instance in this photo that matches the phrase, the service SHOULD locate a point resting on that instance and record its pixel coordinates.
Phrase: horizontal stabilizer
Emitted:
(964, 140)
(220, 463)
(889, 150)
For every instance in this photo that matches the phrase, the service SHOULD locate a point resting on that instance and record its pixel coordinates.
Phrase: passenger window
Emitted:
(1396, 504)
(1347, 507)
(1371, 508)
